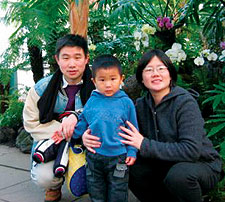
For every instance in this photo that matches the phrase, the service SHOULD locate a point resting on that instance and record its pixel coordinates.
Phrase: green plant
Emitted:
(212, 13)
(216, 125)
(12, 117)
(217, 120)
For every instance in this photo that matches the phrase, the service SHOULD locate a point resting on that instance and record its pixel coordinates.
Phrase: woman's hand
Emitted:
(133, 137)
(90, 141)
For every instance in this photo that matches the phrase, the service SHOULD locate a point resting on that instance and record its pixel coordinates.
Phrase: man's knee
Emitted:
(42, 175)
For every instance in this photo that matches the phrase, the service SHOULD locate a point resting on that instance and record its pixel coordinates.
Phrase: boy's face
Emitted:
(108, 81)
(72, 62)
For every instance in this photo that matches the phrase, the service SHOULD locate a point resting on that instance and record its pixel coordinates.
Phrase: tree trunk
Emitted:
(79, 12)
(4, 91)
(36, 62)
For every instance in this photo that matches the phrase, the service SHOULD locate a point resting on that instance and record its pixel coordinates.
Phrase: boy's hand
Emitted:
(58, 137)
(130, 161)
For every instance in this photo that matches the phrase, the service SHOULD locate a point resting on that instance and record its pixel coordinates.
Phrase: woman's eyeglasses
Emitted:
(151, 70)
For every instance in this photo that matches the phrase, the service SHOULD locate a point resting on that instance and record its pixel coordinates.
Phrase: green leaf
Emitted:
(138, 7)
(220, 87)
(217, 116)
(150, 11)
(165, 12)
(216, 129)
(222, 149)
(133, 14)
(222, 84)
(126, 8)
(214, 91)
(160, 6)
(216, 101)
(223, 98)
(209, 99)
(215, 121)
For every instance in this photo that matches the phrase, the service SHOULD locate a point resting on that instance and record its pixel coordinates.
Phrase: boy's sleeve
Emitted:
(81, 126)
(131, 151)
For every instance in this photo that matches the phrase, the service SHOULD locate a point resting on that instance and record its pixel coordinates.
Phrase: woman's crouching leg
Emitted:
(187, 181)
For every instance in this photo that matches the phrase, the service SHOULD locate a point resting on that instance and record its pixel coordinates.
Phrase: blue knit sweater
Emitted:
(104, 115)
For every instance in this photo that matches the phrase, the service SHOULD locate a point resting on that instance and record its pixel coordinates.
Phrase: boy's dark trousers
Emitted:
(107, 178)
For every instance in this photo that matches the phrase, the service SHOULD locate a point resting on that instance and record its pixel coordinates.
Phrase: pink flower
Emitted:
(222, 44)
(169, 25)
(161, 24)
(166, 20)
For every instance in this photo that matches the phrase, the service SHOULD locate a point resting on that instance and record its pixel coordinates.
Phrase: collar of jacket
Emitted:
(174, 92)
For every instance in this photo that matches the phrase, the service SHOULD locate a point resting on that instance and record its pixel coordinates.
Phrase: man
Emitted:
(67, 89)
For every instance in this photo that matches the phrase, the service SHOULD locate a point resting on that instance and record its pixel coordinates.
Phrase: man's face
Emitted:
(72, 62)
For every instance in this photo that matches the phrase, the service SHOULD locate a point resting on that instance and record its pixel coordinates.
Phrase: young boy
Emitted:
(107, 109)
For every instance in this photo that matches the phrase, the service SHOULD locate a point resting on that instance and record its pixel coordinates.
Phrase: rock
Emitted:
(7, 136)
(132, 88)
(24, 141)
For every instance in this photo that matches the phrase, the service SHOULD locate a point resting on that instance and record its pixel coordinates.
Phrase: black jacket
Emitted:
(174, 130)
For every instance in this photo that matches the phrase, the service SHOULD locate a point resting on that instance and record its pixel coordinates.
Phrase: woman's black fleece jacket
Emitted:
(174, 130)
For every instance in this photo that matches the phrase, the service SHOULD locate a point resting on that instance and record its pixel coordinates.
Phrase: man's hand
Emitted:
(68, 125)
(58, 137)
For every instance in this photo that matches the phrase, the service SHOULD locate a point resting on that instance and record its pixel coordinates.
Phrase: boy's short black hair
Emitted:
(105, 61)
(71, 40)
(147, 57)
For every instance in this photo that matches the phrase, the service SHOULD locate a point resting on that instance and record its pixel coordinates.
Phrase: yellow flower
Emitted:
(92, 47)
(146, 28)
(223, 23)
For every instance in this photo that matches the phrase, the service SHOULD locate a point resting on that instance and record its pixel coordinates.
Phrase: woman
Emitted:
(176, 160)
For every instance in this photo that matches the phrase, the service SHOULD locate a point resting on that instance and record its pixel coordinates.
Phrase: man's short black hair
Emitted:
(71, 40)
(105, 61)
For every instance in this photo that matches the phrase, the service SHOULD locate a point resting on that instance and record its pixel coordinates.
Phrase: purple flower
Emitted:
(222, 44)
(166, 20)
(159, 19)
(169, 25)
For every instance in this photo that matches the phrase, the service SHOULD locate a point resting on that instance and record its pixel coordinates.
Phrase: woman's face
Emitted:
(156, 77)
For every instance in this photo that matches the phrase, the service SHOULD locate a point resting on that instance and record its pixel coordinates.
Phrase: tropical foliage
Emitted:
(218, 118)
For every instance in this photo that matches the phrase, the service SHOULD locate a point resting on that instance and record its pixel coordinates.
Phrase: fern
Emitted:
(218, 119)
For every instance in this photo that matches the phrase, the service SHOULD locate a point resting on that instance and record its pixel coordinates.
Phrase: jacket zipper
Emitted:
(155, 124)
